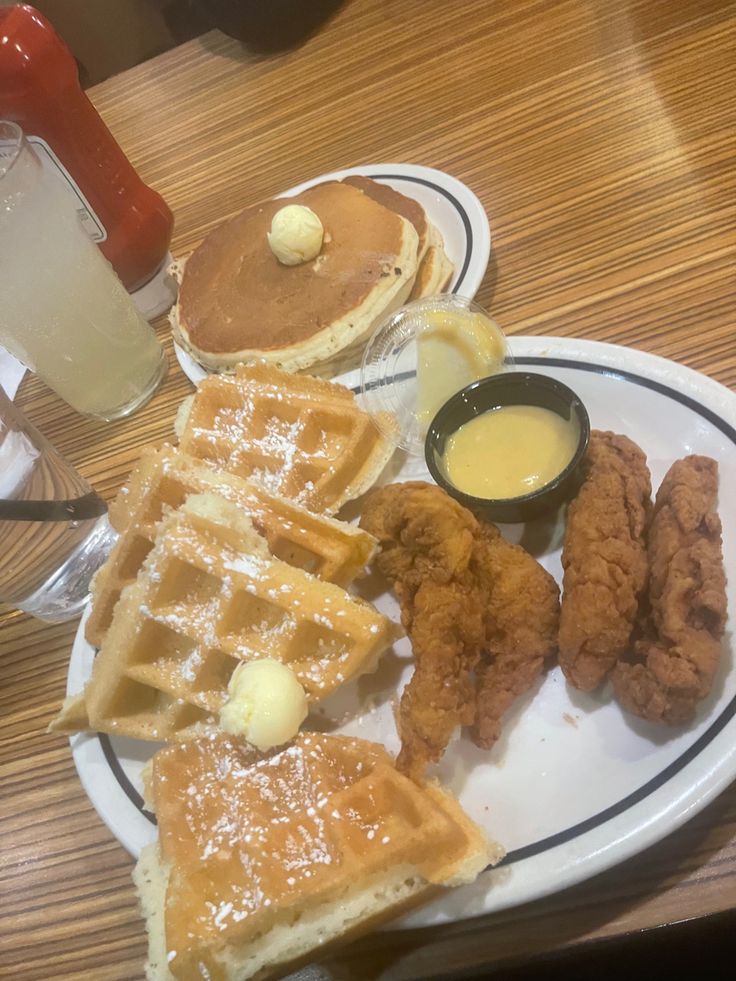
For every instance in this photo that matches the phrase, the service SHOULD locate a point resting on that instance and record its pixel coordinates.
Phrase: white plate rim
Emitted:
(471, 216)
(657, 812)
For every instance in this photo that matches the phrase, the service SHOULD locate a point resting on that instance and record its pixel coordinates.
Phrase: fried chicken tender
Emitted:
(481, 614)
(446, 635)
(674, 663)
(604, 559)
(426, 540)
(522, 612)
(423, 533)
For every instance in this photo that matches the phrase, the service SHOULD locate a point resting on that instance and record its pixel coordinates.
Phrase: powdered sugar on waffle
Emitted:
(295, 436)
(266, 820)
(252, 842)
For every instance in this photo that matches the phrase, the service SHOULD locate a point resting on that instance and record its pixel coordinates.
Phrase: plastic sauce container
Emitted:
(420, 356)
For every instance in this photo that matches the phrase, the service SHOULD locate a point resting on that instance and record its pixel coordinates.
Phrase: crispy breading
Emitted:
(674, 662)
(447, 633)
(481, 614)
(522, 611)
(604, 559)
(423, 533)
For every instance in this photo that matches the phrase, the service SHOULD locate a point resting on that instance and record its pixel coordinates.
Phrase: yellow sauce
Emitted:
(455, 348)
(510, 451)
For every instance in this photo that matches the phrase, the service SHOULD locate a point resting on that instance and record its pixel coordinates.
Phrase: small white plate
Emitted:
(574, 786)
(451, 207)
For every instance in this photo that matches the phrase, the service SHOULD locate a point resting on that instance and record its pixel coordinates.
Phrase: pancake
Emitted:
(238, 303)
(435, 269)
(400, 204)
(434, 273)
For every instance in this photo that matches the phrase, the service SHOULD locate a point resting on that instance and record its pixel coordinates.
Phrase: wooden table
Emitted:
(599, 137)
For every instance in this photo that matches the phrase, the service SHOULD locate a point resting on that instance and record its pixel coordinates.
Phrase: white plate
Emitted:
(451, 207)
(574, 786)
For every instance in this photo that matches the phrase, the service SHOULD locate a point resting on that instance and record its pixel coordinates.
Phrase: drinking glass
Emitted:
(54, 532)
(64, 312)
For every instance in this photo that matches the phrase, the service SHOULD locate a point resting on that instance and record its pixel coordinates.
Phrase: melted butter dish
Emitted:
(421, 356)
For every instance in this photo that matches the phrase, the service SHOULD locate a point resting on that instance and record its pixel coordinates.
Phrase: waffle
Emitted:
(261, 861)
(297, 436)
(331, 550)
(72, 716)
(208, 596)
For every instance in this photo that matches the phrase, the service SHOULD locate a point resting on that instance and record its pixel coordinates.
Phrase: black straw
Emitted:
(78, 509)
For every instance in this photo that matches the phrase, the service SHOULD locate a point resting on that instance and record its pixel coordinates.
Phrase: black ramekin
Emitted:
(512, 388)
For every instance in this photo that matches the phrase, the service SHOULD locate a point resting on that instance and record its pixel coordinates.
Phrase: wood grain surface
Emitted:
(599, 135)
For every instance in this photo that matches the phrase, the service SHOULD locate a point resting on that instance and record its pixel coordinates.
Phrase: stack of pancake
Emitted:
(237, 303)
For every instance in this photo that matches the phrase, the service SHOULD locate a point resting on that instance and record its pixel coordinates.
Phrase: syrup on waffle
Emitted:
(331, 550)
(268, 858)
(209, 595)
(297, 436)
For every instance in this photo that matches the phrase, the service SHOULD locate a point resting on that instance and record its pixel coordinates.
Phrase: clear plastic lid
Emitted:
(420, 357)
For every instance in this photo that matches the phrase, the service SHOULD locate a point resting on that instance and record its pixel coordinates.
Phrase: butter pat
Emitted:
(296, 235)
(455, 348)
(266, 704)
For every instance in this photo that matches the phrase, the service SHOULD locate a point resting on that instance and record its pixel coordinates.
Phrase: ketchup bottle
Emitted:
(40, 90)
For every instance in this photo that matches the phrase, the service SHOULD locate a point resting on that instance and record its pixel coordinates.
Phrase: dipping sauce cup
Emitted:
(516, 388)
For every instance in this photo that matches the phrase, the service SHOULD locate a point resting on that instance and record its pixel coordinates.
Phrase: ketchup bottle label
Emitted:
(52, 165)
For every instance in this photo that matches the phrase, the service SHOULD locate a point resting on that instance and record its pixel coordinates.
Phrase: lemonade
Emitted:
(65, 313)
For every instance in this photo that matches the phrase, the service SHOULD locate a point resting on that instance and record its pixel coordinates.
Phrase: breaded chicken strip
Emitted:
(673, 665)
(478, 610)
(424, 534)
(446, 636)
(426, 541)
(522, 612)
(604, 559)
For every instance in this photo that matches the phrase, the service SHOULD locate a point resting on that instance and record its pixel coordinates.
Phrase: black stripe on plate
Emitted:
(122, 777)
(726, 428)
(690, 754)
(454, 202)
